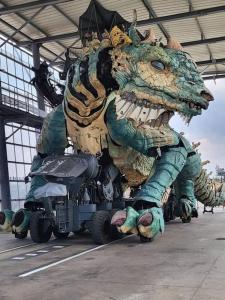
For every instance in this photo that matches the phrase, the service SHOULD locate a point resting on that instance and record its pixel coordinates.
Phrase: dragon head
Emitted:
(156, 81)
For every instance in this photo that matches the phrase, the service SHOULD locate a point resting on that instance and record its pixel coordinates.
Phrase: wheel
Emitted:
(144, 239)
(40, 227)
(60, 235)
(21, 235)
(188, 220)
(101, 229)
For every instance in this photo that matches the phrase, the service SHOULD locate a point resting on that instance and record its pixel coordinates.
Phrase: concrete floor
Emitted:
(187, 263)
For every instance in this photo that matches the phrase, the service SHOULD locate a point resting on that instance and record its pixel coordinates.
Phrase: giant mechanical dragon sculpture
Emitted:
(119, 98)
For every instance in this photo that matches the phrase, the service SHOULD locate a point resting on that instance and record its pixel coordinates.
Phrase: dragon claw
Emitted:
(6, 220)
(150, 222)
(145, 219)
(126, 220)
(119, 218)
(185, 209)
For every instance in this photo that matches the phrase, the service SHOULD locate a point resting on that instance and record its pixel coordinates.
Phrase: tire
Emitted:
(188, 220)
(21, 235)
(101, 230)
(40, 228)
(60, 235)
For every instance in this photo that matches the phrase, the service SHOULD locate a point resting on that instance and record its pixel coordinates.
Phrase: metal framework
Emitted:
(31, 22)
(182, 16)
(153, 15)
(204, 41)
(76, 34)
(49, 39)
(43, 5)
(208, 62)
(4, 174)
(29, 5)
(11, 38)
(202, 32)
(152, 20)
(214, 77)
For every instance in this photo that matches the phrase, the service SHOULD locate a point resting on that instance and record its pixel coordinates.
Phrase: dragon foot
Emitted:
(185, 210)
(20, 221)
(6, 220)
(150, 222)
(126, 220)
(147, 223)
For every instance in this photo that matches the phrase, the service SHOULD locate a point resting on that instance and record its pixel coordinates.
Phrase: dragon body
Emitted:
(119, 98)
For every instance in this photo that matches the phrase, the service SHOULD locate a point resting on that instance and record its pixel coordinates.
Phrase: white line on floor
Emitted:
(11, 249)
(31, 254)
(18, 258)
(67, 259)
(42, 251)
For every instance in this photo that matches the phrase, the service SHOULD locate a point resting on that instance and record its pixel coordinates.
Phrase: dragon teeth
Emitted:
(120, 103)
(123, 110)
(135, 113)
(154, 114)
(160, 111)
(188, 120)
(144, 114)
(165, 118)
(130, 110)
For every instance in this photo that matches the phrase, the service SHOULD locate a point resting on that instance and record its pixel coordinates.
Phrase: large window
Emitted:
(18, 92)
(16, 74)
(20, 143)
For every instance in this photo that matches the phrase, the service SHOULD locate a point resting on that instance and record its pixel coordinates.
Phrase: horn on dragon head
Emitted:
(150, 37)
(173, 44)
(133, 34)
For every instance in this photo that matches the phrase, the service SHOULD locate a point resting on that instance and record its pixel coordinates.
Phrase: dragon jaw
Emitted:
(141, 111)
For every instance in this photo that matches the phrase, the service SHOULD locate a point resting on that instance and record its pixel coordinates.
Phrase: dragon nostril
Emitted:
(207, 95)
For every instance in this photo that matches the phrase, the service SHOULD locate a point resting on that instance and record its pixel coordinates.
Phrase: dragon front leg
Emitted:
(185, 199)
(146, 216)
(52, 141)
(148, 199)
(184, 187)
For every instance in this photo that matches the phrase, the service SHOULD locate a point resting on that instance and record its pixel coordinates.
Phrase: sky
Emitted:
(208, 128)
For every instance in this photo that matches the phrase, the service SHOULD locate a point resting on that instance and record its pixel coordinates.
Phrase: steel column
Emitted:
(4, 173)
(36, 60)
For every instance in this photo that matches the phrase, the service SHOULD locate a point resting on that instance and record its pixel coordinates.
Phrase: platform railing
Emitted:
(19, 99)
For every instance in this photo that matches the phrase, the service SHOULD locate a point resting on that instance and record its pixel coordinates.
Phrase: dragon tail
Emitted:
(208, 191)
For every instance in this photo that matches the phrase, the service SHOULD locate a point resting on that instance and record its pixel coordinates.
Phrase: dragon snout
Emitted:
(207, 95)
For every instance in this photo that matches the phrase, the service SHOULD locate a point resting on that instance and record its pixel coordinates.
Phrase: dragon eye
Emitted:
(158, 65)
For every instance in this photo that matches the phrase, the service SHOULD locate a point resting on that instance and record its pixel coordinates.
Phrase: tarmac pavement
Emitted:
(186, 263)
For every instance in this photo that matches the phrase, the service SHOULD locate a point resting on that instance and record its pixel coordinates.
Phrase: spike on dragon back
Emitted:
(119, 97)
